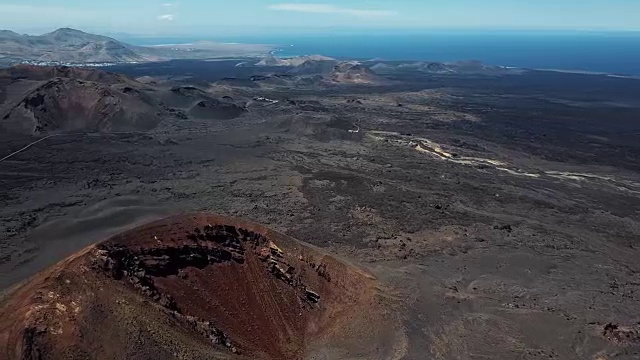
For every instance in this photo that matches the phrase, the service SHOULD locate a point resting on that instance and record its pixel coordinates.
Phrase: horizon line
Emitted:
(335, 30)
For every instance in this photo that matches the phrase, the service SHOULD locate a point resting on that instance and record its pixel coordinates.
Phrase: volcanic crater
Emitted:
(198, 286)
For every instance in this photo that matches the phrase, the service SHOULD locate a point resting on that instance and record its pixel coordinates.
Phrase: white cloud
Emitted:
(166, 17)
(331, 9)
(168, 5)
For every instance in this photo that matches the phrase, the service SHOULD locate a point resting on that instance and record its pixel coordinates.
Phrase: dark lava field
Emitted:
(498, 211)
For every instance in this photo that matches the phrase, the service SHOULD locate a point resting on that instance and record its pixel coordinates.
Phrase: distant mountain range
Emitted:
(68, 45)
(369, 72)
(72, 46)
(272, 60)
(459, 67)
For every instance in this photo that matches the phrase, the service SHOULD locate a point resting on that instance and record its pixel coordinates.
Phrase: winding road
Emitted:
(26, 147)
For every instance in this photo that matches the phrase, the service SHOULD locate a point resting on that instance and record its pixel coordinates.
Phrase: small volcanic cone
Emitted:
(197, 287)
(217, 110)
(43, 100)
(353, 73)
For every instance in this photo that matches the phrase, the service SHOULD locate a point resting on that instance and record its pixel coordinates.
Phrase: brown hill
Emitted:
(216, 109)
(353, 73)
(52, 99)
(38, 100)
(200, 104)
(198, 287)
(314, 67)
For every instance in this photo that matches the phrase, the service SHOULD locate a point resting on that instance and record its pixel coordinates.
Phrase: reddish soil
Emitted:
(195, 286)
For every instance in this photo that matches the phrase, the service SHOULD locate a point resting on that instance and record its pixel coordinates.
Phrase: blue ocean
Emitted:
(593, 51)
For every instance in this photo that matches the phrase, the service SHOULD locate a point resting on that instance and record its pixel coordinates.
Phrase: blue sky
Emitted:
(228, 17)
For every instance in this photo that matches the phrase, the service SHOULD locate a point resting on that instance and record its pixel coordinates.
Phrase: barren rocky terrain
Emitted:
(498, 211)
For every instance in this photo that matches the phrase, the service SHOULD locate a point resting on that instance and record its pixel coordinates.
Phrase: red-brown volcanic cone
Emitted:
(197, 287)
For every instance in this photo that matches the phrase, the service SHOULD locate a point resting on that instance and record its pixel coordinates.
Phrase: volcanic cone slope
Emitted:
(198, 286)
